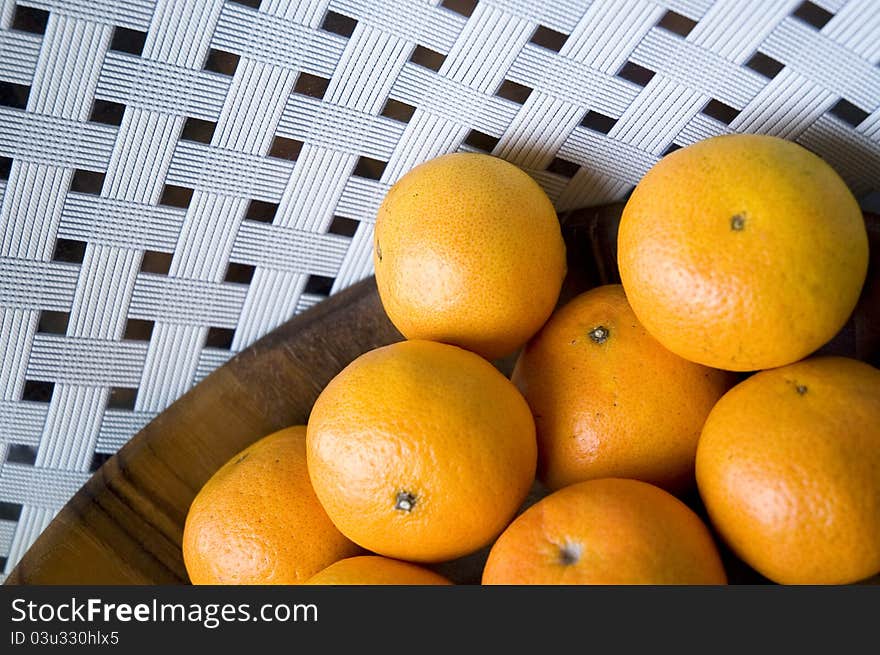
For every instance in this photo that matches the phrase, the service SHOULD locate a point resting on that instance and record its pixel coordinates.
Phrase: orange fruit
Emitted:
(421, 451)
(742, 252)
(609, 400)
(607, 531)
(468, 251)
(376, 570)
(258, 521)
(788, 467)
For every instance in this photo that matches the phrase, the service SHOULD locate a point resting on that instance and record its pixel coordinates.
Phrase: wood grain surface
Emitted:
(125, 525)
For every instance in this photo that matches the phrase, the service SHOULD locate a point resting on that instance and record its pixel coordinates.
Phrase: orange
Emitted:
(788, 466)
(421, 451)
(742, 252)
(258, 521)
(468, 251)
(376, 570)
(608, 531)
(609, 400)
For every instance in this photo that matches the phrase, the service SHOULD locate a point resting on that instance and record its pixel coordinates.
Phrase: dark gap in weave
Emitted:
(514, 92)
(848, 112)
(549, 39)
(9, 511)
(30, 19)
(38, 391)
(14, 95)
(369, 168)
(239, 273)
(128, 40)
(765, 65)
(676, 23)
(812, 14)
(462, 7)
(122, 398)
(220, 61)
(106, 112)
(720, 111)
(481, 141)
(219, 338)
(428, 58)
(563, 167)
(342, 226)
(198, 130)
(672, 148)
(137, 329)
(71, 251)
(399, 111)
(635, 73)
(318, 285)
(284, 148)
(156, 262)
(261, 211)
(21, 454)
(176, 196)
(85, 181)
(340, 24)
(52, 322)
(253, 4)
(311, 85)
(5, 167)
(98, 460)
(598, 122)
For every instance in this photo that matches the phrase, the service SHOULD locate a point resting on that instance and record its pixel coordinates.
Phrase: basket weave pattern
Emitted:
(178, 177)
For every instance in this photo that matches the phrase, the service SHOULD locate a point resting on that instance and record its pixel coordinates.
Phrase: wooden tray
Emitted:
(125, 525)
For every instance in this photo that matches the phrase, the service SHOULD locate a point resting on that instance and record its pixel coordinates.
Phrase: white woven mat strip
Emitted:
(178, 177)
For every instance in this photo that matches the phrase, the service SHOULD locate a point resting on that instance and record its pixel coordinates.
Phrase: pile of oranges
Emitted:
(739, 256)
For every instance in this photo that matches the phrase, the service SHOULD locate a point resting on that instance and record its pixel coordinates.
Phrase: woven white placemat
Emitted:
(178, 177)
